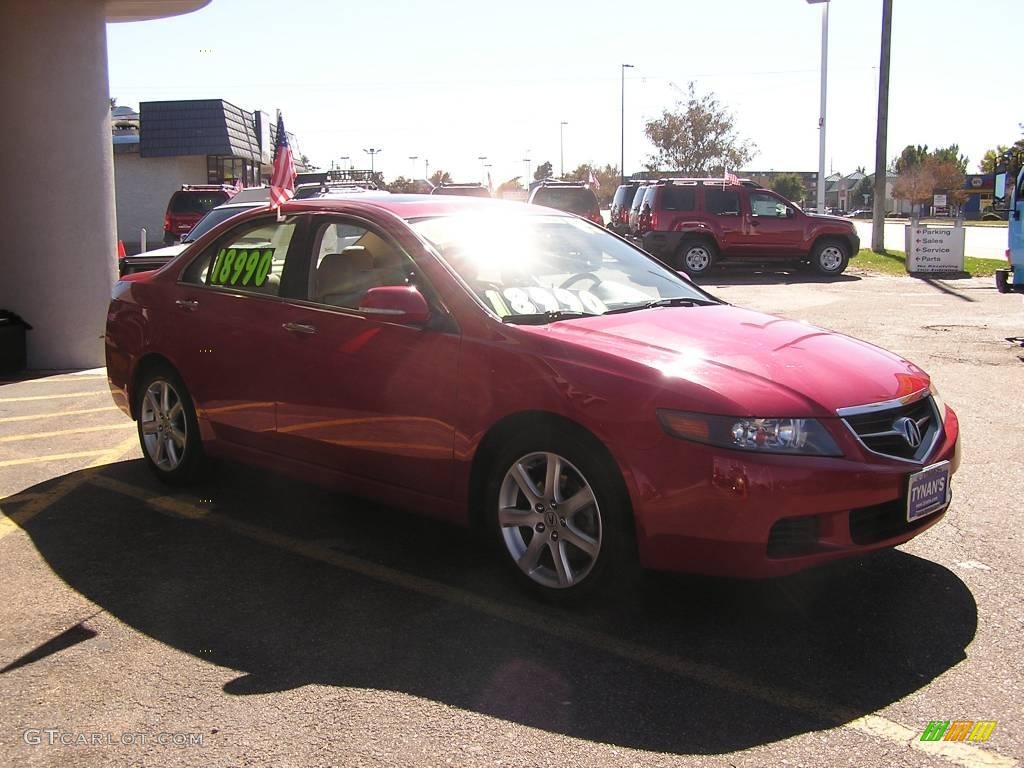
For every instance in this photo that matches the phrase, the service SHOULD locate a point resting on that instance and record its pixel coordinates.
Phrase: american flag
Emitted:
(592, 180)
(731, 178)
(282, 182)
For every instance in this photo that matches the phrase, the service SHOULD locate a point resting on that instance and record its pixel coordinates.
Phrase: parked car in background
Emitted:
(149, 260)
(569, 196)
(189, 204)
(622, 201)
(692, 224)
(465, 190)
(516, 368)
(633, 218)
(860, 213)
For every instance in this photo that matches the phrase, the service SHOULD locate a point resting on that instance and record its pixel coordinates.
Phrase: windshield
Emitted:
(523, 264)
(213, 218)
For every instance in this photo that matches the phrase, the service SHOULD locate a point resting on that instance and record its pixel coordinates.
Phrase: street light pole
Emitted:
(561, 148)
(414, 158)
(821, 115)
(622, 147)
(528, 168)
(881, 136)
(482, 158)
(371, 152)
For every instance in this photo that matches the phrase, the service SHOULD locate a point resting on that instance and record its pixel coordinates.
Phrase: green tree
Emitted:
(951, 154)
(439, 177)
(991, 158)
(403, 185)
(910, 157)
(544, 171)
(697, 138)
(607, 179)
(790, 186)
(866, 187)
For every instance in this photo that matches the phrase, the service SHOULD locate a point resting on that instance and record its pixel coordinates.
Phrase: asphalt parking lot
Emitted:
(287, 626)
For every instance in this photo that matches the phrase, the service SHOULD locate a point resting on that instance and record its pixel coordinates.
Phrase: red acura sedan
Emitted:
(524, 369)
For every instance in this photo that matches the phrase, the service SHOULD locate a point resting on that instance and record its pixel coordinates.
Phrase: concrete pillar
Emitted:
(57, 242)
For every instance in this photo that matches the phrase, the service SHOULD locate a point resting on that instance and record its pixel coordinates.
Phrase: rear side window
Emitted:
(722, 202)
(196, 202)
(571, 199)
(251, 259)
(638, 198)
(677, 198)
(623, 196)
(649, 198)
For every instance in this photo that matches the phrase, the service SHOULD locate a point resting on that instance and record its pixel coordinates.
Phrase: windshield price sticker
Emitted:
(242, 266)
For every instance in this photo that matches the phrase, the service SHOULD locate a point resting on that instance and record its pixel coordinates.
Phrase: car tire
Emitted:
(582, 546)
(695, 257)
(168, 428)
(830, 257)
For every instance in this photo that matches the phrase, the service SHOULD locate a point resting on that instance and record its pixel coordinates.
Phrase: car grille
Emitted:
(869, 525)
(793, 536)
(875, 429)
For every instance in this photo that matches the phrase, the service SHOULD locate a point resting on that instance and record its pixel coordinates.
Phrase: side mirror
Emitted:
(401, 304)
(999, 201)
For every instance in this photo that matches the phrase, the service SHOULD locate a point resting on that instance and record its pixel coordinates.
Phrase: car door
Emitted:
(364, 395)
(775, 230)
(227, 324)
(722, 214)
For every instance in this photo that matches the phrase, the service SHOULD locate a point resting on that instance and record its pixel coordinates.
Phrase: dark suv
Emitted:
(572, 197)
(692, 223)
(471, 190)
(188, 205)
(621, 203)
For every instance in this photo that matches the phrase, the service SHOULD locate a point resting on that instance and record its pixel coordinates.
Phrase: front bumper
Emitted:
(726, 513)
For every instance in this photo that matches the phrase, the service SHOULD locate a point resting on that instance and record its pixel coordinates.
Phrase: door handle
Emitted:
(190, 304)
(299, 328)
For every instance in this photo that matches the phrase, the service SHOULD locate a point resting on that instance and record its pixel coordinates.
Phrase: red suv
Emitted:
(691, 224)
(188, 205)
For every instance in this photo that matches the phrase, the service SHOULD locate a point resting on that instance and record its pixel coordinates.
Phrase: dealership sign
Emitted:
(934, 249)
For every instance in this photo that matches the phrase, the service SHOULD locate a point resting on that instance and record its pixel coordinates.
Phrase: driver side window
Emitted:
(766, 205)
(350, 259)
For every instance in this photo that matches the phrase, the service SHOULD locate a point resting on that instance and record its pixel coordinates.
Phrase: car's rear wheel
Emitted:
(830, 257)
(561, 517)
(168, 428)
(695, 257)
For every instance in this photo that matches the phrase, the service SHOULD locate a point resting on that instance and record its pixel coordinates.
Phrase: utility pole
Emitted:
(622, 133)
(878, 211)
(561, 149)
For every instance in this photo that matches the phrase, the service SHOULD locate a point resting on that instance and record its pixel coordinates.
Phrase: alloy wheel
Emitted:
(163, 424)
(550, 520)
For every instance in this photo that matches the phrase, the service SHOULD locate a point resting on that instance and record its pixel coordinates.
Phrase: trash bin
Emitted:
(12, 342)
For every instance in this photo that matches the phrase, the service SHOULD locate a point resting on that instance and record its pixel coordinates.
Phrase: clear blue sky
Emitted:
(452, 80)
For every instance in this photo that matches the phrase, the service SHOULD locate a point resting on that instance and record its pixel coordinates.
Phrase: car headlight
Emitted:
(795, 437)
(940, 404)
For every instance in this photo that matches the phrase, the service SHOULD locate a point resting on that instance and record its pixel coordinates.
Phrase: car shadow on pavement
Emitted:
(686, 665)
(769, 275)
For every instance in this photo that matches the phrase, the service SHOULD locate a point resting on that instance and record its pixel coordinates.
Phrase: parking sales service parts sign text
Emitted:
(934, 249)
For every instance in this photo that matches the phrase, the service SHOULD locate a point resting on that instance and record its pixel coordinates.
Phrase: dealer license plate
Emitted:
(928, 491)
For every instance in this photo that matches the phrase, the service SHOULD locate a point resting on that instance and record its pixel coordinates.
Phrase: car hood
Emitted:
(727, 360)
(169, 252)
(828, 217)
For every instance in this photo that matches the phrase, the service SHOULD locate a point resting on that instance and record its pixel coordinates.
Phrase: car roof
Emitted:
(411, 206)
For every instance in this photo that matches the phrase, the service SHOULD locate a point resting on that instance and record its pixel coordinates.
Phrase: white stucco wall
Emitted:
(142, 187)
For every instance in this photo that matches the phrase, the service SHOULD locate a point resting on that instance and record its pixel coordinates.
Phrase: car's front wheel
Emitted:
(695, 257)
(168, 428)
(561, 520)
(830, 257)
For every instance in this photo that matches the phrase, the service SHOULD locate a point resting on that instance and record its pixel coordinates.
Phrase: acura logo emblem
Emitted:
(909, 429)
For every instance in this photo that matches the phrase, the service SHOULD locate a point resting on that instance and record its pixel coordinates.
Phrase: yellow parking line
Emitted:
(872, 725)
(58, 433)
(63, 377)
(11, 523)
(49, 457)
(79, 412)
(54, 397)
